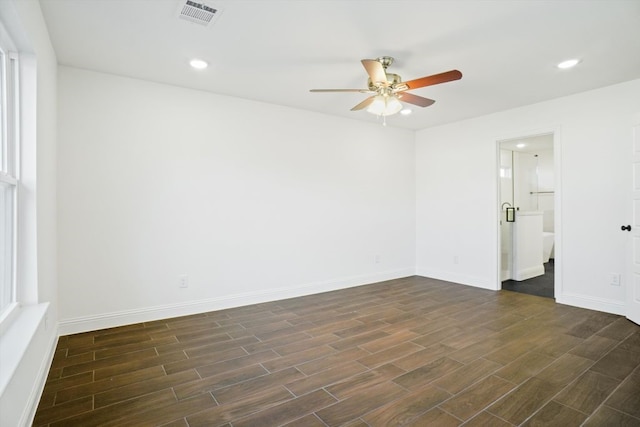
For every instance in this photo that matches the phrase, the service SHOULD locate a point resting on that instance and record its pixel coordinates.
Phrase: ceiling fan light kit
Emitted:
(384, 105)
(388, 89)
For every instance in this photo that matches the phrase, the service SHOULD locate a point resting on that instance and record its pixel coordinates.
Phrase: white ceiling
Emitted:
(275, 51)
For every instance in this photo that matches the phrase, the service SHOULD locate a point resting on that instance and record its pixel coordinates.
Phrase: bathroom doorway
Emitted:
(527, 196)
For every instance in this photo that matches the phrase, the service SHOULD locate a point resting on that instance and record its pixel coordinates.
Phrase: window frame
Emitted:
(9, 173)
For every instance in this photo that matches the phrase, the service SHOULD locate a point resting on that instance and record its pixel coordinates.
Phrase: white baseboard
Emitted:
(591, 303)
(575, 300)
(41, 379)
(147, 314)
(478, 282)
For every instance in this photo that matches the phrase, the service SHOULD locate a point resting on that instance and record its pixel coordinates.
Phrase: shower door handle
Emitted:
(628, 228)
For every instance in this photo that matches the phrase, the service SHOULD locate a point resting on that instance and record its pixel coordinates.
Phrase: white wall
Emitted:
(457, 193)
(252, 201)
(29, 341)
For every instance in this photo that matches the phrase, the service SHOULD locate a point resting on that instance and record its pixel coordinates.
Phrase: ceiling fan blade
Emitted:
(364, 104)
(376, 71)
(433, 80)
(341, 90)
(415, 99)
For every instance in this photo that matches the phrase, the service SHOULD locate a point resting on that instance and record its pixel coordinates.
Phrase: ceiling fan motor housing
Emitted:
(392, 79)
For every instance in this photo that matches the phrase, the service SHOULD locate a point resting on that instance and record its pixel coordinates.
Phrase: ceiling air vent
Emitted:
(197, 12)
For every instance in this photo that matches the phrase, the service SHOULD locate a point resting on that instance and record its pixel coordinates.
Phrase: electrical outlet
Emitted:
(376, 259)
(184, 281)
(615, 279)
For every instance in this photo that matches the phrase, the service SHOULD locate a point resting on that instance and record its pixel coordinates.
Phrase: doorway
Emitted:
(527, 230)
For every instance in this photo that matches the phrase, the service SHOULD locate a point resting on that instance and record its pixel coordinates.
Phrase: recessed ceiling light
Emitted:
(570, 63)
(521, 145)
(405, 112)
(198, 64)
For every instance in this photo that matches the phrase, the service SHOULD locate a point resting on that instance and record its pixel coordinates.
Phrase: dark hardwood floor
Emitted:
(414, 352)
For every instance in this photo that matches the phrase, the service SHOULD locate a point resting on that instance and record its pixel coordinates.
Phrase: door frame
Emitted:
(633, 282)
(556, 131)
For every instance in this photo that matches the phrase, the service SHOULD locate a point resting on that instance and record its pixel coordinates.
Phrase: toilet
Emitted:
(547, 246)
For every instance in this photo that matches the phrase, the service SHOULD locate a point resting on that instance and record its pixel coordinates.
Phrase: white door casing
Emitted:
(633, 288)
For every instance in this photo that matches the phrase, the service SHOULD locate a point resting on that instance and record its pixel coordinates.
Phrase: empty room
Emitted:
(319, 213)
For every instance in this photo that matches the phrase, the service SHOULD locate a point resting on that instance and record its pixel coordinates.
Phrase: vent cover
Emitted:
(197, 12)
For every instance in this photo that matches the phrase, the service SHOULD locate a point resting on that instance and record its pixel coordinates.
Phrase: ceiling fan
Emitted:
(388, 89)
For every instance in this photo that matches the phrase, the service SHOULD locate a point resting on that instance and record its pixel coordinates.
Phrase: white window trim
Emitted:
(27, 334)
(10, 169)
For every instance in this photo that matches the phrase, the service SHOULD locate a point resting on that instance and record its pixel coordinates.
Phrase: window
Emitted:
(8, 175)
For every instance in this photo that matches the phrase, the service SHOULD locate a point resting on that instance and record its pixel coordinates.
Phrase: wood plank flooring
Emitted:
(411, 352)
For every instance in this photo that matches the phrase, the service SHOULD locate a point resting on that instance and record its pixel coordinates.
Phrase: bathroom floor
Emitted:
(541, 286)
